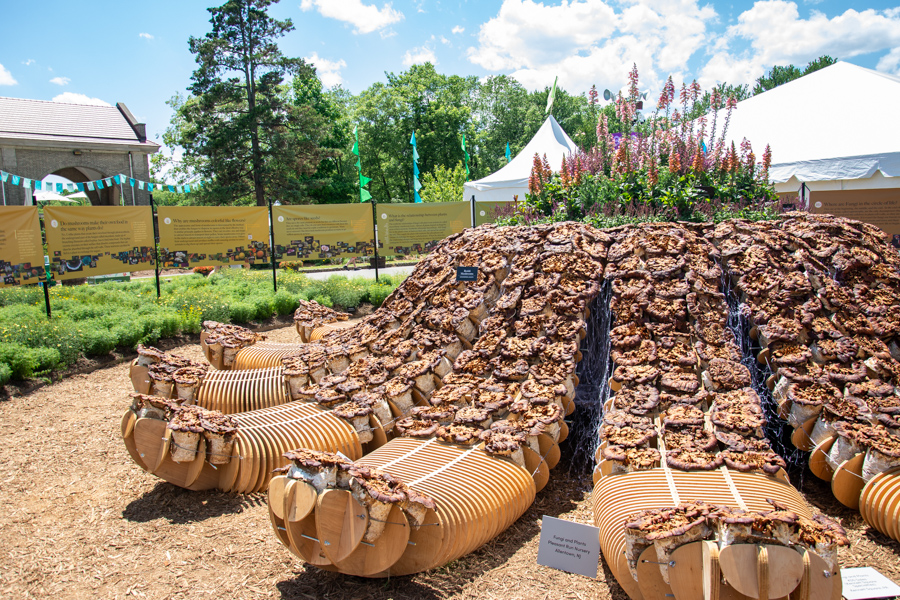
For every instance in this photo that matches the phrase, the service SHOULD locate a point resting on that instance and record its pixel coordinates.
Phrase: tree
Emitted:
(444, 185)
(250, 137)
(780, 75)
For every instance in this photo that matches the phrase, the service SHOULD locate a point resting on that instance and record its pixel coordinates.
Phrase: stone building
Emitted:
(76, 141)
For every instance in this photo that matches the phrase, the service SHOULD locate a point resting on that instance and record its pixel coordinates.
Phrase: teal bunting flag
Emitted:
(90, 185)
(508, 155)
(187, 189)
(131, 181)
(171, 188)
(140, 185)
(118, 180)
(80, 187)
(108, 181)
(59, 188)
(70, 187)
(26, 183)
(4, 176)
(363, 180)
(417, 185)
(99, 184)
(149, 187)
(37, 185)
(465, 156)
(15, 179)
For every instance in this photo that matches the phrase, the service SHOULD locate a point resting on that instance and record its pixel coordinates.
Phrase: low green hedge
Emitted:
(94, 320)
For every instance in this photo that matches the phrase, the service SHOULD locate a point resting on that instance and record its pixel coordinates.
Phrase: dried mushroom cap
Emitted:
(845, 373)
(636, 458)
(768, 462)
(740, 443)
(690, 459)
(870, 387)
(660, 524)
(504, 442)
(185, 420)
(214, 421)
(628, 437)
(543, 413)
(166, 404)
(643, 353)
(151, 352)
(552, 373)
(440, 412)
(822, 530)
(420, 498)
(813, 394)
(682, 415)
(789, 354)
(879, 438)
(638, 374)
(397, 386)
(680, 379)
(637, 400)
(689, 437)
(419, 428)
(378, 485)
(459, 434)
(303, 457)
(329, 397)
(884, 404)
(469, 415)
(351, 409)
(729, 375)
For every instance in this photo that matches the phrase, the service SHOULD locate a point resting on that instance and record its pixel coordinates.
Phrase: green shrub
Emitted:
(127, 335)
(46, 359)
(285, 303)
(98, 341)
(324, 301)
(5, 373)
(343, 293)
(242, 312)
(377, 293)
(21, 361)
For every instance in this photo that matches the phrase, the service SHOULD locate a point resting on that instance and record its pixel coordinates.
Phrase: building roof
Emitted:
(42, 123)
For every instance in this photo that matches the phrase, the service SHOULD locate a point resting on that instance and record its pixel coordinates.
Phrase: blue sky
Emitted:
(137, 52)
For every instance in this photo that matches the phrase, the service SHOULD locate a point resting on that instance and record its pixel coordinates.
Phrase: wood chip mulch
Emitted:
(78, 519)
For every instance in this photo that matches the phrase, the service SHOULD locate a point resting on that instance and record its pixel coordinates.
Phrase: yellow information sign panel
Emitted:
(487, 212)
(880, 207)
(98, 240)
(312, 231)
(417, 228)
(21, 253)
(213, 235)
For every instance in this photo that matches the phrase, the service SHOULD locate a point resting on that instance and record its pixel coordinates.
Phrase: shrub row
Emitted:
(94, 320)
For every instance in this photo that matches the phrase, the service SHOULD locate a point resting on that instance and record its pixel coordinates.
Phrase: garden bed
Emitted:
(78, 519)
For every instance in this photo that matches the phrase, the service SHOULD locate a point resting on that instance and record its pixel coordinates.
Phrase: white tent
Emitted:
(834, 129)
(512, 180)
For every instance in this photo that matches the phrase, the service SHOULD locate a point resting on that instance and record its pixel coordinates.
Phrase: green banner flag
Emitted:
(364, 195)
(363, 180)
(551, 97)
(355, 149)
(465, 156)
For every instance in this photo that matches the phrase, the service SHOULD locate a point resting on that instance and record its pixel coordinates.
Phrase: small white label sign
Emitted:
(864, 583)
(570, 547)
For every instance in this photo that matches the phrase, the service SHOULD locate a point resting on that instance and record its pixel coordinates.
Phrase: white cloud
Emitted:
(60, 80)
(890, 62)
(444, 40)
(418, 56)
(28, 62)
(73, 98)
(592, 41)
(146, 36)
(6, 77)
(457, 30)
(778, 36)
(327, 70)
(366, 18)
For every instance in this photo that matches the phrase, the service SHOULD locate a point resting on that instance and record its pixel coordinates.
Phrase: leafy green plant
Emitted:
(5, 373)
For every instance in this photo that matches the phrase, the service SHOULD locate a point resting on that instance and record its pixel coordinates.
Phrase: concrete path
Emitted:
(368, 273)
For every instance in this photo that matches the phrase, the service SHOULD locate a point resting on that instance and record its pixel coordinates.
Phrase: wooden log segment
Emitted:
(697, 569)
(879, 503)
(477, 496)
(264, 435)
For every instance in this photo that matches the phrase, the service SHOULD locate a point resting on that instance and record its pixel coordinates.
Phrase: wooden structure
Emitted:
(698, 570)
(477, 495)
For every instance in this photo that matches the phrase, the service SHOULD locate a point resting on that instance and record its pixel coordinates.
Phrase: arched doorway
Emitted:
(108, 196)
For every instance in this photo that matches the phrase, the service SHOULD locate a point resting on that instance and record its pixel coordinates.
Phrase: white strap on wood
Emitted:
(445, 467)
(734, 491)
(676, 498)
(407, 455)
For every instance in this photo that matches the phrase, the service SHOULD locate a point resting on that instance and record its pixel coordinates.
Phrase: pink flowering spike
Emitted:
(633, 93)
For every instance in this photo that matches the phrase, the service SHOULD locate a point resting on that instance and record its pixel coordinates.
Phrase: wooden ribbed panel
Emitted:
(879, 503)
(319, 332)
(263, 436)
(263, 354)
(478, 496)
(232, 392)
(615, 497)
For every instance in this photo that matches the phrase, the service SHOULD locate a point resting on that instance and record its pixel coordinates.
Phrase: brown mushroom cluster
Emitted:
(171, 374)
(310, 315)
(682, 397)
(188, 423)
(488, 361)
(225, 341)
(823, 296)
(666, 529)
(377, 490)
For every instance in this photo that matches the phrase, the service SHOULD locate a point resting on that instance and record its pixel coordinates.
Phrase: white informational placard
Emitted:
(865, 583)
(570, 547)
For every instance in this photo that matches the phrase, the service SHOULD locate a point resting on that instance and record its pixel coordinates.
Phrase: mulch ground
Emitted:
(78, 519)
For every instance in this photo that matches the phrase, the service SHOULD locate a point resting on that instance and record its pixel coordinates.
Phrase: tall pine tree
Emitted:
(252, 138)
